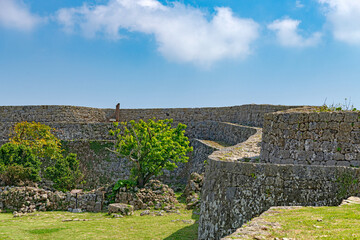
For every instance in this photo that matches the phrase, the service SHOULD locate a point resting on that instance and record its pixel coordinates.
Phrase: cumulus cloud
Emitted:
(344, 17)
(15, 14)
(183, 33)
(287, 33)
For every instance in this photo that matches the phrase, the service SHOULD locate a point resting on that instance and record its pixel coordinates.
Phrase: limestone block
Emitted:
(324, 117)
(343, 163)
(355, 136)
(351, 117)
(314, 117)
(339, 157)
(337, 116)
(345, 126)
(350, 156)
(98, 207)
(334, 126)
(123, 209)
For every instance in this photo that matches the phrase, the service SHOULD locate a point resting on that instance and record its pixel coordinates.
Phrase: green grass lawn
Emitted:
(318, 223)
(50, 225)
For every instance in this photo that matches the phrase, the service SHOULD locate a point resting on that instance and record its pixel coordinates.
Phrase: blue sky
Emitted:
(190, 53)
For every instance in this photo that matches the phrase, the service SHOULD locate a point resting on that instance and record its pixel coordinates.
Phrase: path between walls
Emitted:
(247, 151)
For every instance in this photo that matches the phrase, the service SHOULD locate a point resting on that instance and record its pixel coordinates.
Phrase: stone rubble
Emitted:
(155, 194)
(31, 199)
(192, 191)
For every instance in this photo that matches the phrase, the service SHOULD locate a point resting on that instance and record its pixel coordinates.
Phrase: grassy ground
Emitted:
(318, 223)
(50, 225)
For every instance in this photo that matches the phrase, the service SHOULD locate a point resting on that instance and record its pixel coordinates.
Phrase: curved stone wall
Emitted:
(218, 134)
(250, 114)
(246, 114)
(312, 138)
(235, 192)
(85, 132)
(226, 133)
(302, 140)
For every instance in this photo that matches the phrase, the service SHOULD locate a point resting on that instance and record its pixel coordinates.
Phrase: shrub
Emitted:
(128, 184)
(18, 164)
(65, 173)
(45, 147)
(124, 183)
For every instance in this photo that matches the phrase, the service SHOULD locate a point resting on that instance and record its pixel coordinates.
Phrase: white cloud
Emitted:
(344, 16)
(183, 33)
(15, 14)
(298, 4)
(287, 33)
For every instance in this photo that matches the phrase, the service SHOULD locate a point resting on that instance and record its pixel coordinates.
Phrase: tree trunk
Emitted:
(141, 181)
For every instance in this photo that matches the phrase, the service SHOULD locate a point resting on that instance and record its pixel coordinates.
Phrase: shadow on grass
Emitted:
(45, 230)
(188, 232)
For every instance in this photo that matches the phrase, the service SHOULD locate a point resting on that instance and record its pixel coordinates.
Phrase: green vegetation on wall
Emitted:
(101, 147)
(346, 182)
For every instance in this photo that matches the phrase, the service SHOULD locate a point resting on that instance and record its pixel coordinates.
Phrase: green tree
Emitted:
(39, 137)
(18, 164)
(152, 146)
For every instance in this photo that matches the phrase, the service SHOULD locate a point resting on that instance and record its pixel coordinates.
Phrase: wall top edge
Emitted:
(252, 164)
(308, 110)
(70, 106)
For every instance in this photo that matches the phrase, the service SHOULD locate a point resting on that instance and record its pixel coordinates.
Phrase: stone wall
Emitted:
(90, 142)
(235, 192)
(313, 138)
(47, 113)
(227, 133)
(100, 166)
(29, 199)
(196, 163)
(69, 131)
(251, 114)
(209, 130)
(85, 131)
(246, 114)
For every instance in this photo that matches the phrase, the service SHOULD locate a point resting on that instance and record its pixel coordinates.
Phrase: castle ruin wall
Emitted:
(307, 158)
(312, 138)
(235, 192)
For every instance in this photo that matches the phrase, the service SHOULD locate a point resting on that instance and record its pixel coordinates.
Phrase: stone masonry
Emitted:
(296, 144)
(306, 136)
(85, 131)
(235, 192)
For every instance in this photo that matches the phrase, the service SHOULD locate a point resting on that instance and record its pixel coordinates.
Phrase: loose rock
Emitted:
(124, 209)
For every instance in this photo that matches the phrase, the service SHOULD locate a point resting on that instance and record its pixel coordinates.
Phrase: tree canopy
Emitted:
(18, 164)
(151, 146)
(34, 152)
(38, 137)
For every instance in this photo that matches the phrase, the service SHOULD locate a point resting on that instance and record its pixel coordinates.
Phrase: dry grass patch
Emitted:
(318, 223)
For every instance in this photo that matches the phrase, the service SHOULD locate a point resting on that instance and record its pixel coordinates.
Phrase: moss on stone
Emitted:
(100, 147)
